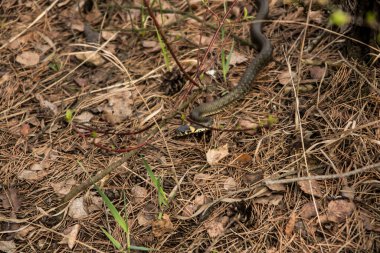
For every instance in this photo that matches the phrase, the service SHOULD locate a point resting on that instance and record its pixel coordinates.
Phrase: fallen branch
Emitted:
(324, 177)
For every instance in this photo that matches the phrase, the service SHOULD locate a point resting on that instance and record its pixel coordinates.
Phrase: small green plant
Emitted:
(162, 199)
(339, 18)
(69, 115)
(164, 51)
(226, 60)
(122, 224)
(144, 19)
(55, 65)
(246, 16)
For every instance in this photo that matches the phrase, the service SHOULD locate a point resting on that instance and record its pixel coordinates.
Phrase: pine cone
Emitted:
(172, 82)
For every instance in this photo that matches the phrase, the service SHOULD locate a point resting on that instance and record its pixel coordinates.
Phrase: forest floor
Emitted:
(88, 88)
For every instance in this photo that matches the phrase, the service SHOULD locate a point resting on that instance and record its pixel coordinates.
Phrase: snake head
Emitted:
(184, 130)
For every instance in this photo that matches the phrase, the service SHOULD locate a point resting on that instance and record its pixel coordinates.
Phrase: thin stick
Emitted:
(324, 177)
(151, 14)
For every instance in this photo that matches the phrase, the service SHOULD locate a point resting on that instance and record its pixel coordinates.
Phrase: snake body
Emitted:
(202, 113)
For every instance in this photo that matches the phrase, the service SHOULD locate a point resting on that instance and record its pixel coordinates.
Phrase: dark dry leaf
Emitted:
(313, 190)
(213, 156)
(25, 129)
(252, 178)
(162, 226)
(28, 58)
(317, 72)
(244, 159)
(277, 187)
(217, 227)
(339, 210)
(139, 194)
(10, 199)
(309, 210)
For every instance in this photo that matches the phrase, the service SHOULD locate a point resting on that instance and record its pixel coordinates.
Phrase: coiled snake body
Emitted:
(202, 113)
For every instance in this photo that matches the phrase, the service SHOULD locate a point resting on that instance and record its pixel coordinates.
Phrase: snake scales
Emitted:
(202, 113)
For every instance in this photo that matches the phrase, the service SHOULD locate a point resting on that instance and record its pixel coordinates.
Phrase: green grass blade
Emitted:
(113, 210)
(162, 199)
(115, 242)
(164, 51)
(140, 248)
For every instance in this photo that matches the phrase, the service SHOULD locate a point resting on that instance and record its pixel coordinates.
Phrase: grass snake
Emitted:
(201, 114)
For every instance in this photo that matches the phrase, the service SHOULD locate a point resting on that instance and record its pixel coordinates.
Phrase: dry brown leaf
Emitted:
(64, 187)
(118, 108)
(25, 130)
(28, 58)
(309, 211)
(47, 104)
(147, 215)
(339, 210)
(348, 192)
(285, 77)
(273, 200)
(201, 200)
(36, 167)
(316, 16)
(94, 15)
(94, 202)
(84, 117)
(230, 184)
(162, 226)
(77, 209)
(216, 227)
(277, 187)
(317, 72)
(5, 78)
(8, 246)
(150, 43)
(139, 194)
(314, 190)
(108, 35)
(201, 178)
(10, 199)
(236, 11)
(81, 82)
(91, 57)
(237, 58)
(247, 124)
(77, 25)
(290, 225)
(252, 178)
(21, 41)
(215, 155)
(71, 236)
(32, 175)
(243, 159)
